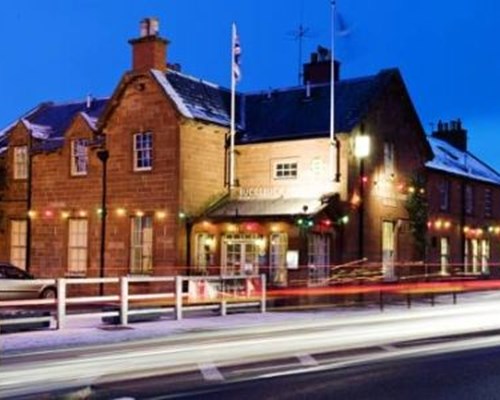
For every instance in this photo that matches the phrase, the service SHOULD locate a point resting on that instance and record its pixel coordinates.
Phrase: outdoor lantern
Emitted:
(362, 146)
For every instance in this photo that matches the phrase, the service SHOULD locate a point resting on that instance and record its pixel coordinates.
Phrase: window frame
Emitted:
(20, 246)
(278, 247)
(318, 259)
(488, 202)
(389, 159)
(444, 254)
(141, 245)
(75, 157)
(20, 163)
(285, 169)
(485, 255)
(444, 195)
(142, 151)
(469, 199)
(205, 252)
(77, 247)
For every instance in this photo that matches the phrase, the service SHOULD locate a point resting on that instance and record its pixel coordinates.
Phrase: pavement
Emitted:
(89, 330)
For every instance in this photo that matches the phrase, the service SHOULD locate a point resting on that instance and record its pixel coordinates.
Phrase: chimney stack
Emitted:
(318, 70)
(452, 133)
(149, 51)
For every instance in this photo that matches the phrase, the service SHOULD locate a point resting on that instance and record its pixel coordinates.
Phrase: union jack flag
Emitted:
(236, 55)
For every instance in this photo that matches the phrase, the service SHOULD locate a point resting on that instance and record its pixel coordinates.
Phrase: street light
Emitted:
(361, 151)
(103, 156)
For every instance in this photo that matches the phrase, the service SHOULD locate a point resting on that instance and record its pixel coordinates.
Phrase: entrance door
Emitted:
(388, 250)
(240, 254)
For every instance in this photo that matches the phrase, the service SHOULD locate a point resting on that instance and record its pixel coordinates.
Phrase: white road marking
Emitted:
(389, 347)
(210, 372)
(307, 360)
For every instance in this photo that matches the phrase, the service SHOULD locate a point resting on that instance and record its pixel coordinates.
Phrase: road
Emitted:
(462, 375)
(235, 356)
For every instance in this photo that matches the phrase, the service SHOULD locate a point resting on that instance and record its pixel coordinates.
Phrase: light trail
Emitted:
(152, 358)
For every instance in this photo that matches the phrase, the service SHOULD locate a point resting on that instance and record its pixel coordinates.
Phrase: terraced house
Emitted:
(138, 183)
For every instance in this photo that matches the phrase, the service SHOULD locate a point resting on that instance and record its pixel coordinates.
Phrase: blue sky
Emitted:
(447, 51)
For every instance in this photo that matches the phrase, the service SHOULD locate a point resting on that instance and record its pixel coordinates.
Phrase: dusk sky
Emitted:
(447, 51)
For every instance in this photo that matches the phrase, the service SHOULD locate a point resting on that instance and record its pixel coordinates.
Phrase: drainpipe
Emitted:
(103, 156)
(29, 196)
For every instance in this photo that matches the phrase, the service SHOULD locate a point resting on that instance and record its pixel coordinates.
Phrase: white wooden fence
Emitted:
(204, 293)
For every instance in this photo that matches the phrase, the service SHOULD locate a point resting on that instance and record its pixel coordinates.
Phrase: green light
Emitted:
(300, 221)
(310, 223)
(344, 219)
(182, 215)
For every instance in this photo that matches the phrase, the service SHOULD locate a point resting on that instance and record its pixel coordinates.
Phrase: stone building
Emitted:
(141, 177)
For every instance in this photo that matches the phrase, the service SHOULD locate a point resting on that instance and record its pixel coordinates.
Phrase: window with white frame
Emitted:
(318, 259)
(444, 247)
(285, 169)
(471, 262)
(488, 203)
(277, 253)
(141, 245)
(389, 159)
(18, 229)
(143, 151)
(485, 256)
(205, 244)
(21, 162)
(240, 253)
(79, 157)
(444, 195)
(77, 246)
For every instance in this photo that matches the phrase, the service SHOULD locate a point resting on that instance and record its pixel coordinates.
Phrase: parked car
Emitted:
(16, 284)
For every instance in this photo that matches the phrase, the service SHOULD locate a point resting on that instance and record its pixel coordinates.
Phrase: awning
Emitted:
(268, 208)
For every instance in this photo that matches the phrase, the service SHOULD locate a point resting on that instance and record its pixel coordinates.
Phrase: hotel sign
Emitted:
(261, 192)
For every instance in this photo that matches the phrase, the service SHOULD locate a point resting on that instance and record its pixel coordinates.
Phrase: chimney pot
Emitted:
(149, 27)
(452, 133)
(149, 51)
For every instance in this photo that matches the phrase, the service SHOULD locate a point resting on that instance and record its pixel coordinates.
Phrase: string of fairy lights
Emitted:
(65, 214)
(435, 225)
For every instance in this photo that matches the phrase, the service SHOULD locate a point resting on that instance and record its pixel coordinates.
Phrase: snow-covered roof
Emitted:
(37, 131)
(49, 121)
(448, 158)
(196, 98)
(91, 120)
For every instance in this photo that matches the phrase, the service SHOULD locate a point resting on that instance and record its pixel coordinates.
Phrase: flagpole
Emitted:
(334, 148)
(233, 111)
(333, 166)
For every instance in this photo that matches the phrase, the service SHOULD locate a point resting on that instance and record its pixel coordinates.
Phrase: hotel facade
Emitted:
(141, 178)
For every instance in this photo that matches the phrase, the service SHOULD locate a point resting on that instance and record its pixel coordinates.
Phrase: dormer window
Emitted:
(21, 162)
(143, 151)
(79, 157)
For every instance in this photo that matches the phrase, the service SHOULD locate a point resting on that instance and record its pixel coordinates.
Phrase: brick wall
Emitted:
(392, 119)
(456, 218)
(13, 202)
